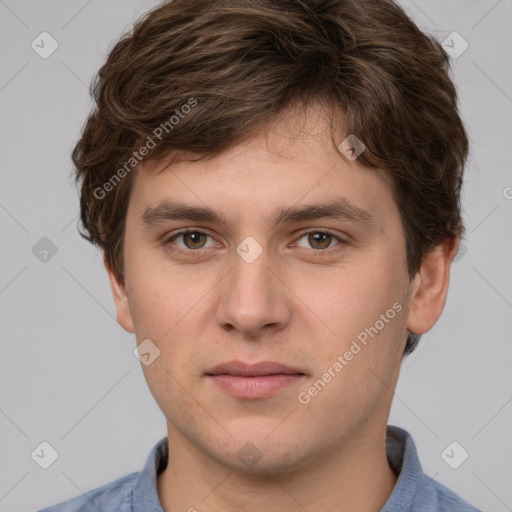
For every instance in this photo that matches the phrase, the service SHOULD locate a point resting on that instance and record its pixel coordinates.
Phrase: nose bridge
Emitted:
(250, 279)
(250, 296)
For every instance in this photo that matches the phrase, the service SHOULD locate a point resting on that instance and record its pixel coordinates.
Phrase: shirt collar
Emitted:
(403, 459)
(400, 449)
(145, 495)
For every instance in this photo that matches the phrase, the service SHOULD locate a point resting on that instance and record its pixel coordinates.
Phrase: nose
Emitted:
(253, 297)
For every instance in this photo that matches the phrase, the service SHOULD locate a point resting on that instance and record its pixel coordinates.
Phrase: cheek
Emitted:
(350, 299)
(158, 294)
(363, 320)
(165, 314)
(166, 306)
(354, 376)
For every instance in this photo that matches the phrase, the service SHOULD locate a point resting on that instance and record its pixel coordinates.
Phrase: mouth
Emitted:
(253, 381)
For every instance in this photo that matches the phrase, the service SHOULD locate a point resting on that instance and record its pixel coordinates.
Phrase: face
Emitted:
(262, 278)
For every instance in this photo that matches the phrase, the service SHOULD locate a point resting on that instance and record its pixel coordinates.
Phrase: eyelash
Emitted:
(200, 252)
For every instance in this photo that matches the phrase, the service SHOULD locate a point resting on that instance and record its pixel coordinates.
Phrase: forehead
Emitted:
(280, 173)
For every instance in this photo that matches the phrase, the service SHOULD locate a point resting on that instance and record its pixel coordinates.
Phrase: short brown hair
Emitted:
(243, 63)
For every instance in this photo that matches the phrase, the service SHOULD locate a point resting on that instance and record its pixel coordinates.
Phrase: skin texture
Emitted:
(301, 302)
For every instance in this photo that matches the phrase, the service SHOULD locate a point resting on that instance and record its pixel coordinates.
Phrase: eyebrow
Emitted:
(338, 209)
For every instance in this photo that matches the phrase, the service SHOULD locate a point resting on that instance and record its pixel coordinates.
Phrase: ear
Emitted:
(124, 315)
(430, 287)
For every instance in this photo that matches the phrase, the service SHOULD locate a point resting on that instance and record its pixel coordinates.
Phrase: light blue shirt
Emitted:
(137, 492)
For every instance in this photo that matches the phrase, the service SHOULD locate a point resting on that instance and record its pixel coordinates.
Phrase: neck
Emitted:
(355, 475)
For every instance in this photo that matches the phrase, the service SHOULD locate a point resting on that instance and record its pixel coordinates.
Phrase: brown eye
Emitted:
(192, 240)
(319, 240)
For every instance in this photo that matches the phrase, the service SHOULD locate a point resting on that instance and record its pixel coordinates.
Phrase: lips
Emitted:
(253, 381)
(253, 370)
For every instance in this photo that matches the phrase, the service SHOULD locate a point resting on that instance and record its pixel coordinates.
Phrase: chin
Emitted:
(260, 455)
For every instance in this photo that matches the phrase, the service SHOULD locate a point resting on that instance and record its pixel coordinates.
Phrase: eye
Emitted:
(192, 240)
(320, 240)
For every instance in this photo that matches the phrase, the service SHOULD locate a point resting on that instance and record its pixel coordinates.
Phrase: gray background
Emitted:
(67, 372)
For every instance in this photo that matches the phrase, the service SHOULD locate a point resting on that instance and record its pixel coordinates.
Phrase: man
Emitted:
(276, 190)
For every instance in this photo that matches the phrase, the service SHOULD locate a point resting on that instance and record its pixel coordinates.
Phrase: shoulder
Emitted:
(114, 496)
(439, 498)
(415, 491)
(135, 490)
